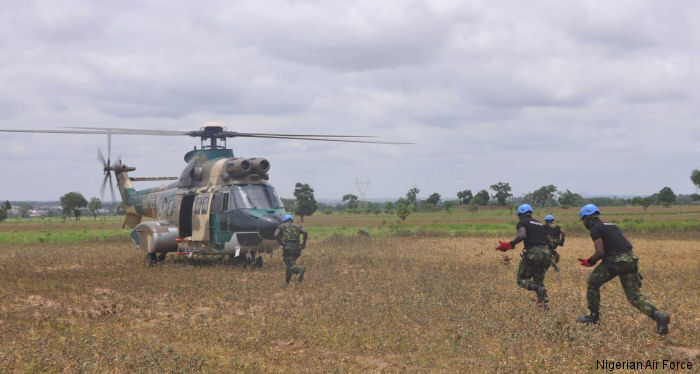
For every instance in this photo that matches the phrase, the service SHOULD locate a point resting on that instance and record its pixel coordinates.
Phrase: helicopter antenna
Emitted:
(362, 189)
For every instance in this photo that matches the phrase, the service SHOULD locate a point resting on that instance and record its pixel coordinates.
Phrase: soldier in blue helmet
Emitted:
(536, 257)
(618, 260)
(288, 234)
(557, 235)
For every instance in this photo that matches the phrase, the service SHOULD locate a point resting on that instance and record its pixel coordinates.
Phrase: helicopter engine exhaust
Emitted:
(260, 165)
(238, 167)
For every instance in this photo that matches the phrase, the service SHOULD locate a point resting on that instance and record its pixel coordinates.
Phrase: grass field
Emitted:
(384, 302)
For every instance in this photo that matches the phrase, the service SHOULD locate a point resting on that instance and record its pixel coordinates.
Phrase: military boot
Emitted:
(301, 274)
(662, 319)
(288, 277)
(592, 318)
(556, 268)
(541, 294)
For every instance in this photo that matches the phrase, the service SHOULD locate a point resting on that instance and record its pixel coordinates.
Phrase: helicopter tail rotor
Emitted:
(107, 167)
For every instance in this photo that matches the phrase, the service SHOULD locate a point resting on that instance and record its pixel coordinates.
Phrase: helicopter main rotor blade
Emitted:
(55, 131)
(227, 134)
(322, 139)
(233, 134)
(123, 131)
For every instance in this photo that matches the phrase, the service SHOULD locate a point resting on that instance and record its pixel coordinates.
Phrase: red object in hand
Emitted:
(503, 246)
(585, 262)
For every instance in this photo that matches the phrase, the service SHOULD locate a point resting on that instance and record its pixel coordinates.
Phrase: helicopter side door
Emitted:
(200, 217)
(219, 221)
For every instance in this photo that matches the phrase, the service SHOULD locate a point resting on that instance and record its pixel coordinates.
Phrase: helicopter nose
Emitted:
(267, 226)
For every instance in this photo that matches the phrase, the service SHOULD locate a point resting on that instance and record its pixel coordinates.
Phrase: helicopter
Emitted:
(219, 205)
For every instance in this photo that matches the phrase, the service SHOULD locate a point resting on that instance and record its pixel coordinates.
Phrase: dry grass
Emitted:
(367, 305)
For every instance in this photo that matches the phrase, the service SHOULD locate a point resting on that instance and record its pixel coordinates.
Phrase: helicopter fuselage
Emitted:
(219, 205)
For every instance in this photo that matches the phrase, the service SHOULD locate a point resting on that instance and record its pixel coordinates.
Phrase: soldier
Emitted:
(287, 234)
(536, 257)
(618, 260)
(557, 235)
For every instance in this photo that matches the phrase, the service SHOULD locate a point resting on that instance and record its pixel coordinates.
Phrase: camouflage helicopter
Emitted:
(220, 204)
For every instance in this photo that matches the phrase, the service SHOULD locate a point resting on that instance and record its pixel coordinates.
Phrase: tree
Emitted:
(388, 207)
(481, 198)
(473, 206)
(3, 214)
(666, 196)
(644, 202)
(71, 203)
(695, 177)
(351, 200)
(289, 204)
(447, 205)
(543, 196)
(412, 196)
(94, 205)
(8, 206)
(568, 198)
(306, 203)
(24, 209)
(465, 196)
(402, 210)
(502, 192)
(433, 199)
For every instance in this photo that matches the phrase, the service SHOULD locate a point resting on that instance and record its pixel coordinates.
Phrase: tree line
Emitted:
(304, 203)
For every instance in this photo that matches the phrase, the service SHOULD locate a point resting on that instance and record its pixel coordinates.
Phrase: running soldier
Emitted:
(557, 235)
(618, 260)
(287, 234)
(536, 257)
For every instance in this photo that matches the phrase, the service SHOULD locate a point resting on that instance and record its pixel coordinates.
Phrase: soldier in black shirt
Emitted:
(557, 235)
(536, 257)
(618, 260)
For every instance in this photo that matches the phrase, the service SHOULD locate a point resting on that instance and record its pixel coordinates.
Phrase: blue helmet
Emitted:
(587, 210)
(549, 218)
(288, 217)
(524, 209)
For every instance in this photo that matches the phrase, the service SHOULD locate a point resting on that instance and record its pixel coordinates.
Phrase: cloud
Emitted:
(568, 93)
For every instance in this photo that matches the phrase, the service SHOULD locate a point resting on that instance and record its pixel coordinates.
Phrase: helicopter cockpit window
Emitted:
(255, 196)
(224, 203)
(205, 204)
(197, 204)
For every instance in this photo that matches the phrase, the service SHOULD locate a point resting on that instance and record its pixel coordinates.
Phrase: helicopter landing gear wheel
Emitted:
(151, 259)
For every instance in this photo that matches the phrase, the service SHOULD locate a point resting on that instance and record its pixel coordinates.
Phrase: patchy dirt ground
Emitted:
(366, 305)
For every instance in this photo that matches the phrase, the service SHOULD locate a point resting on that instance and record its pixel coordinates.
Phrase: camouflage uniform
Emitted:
(291, 250)
(536, 258)
(533, 266)
(624, 266)
(554, 233)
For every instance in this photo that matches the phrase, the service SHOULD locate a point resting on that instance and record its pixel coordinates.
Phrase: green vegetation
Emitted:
(59, 230)
(71, 203)
(501, 192)
(459, 221)
(305, 202)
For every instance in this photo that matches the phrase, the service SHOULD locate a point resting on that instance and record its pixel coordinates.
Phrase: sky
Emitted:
(598, 97)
